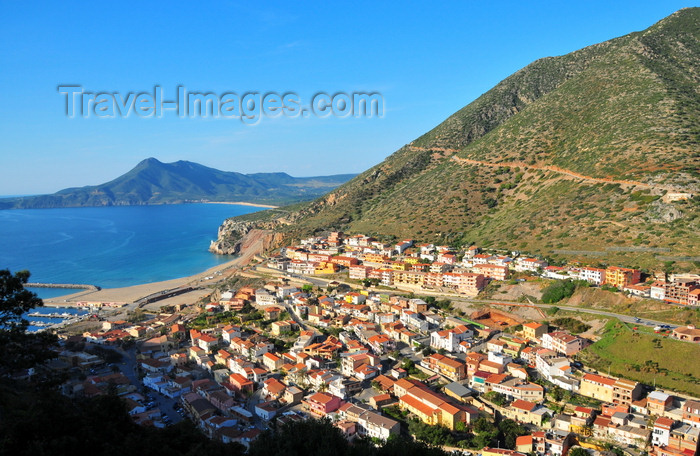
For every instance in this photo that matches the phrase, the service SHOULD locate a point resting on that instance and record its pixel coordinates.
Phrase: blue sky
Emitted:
(426, 61)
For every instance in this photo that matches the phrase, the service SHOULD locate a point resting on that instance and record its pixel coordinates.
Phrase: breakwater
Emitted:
(80, 286)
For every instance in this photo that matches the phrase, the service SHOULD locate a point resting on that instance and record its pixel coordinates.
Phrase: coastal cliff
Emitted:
(236, 236)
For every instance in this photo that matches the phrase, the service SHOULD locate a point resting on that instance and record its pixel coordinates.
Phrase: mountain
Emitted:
(154, 182)
(593, 155)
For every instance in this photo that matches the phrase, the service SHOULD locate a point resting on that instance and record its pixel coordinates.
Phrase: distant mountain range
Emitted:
(154, 182)
(593, 155)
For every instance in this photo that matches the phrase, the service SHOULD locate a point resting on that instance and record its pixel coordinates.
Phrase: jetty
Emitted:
(80, 286)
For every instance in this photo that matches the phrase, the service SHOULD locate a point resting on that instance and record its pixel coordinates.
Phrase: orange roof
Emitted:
(416, 404)
(599, 379)
(523, 405)
(523, 440)
(533, 325)
(321, 398)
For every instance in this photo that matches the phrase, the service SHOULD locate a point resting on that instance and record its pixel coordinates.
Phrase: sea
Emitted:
(115, 246)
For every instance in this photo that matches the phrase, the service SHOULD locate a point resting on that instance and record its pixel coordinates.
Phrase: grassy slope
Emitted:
(626, 352)
(623, 109)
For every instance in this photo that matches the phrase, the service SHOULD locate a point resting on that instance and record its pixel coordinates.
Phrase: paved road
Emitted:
(128, 366)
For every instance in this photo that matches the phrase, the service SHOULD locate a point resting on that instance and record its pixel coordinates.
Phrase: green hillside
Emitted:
(576, 157)
(154, 182)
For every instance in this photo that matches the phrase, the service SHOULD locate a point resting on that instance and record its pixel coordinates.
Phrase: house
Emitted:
(451, 368)
(292, 395)
(514, 388)
(688, 333)
(562, 342)
(271, 361)
(380, 400)
(272, 312)
(596, 276)
(534, 331)
(207, 342)
(240, 383)
(626, 391)
(369, 423)
(458, 391)
(691, 413)
(526, 412)
(673, 438)
(273, 388)
(265, 298)
(431, 407)
(597, 386)
(450, 339)
(529, 264)
(321, 404)
(492, 271)
(470, 283)
(266, 410)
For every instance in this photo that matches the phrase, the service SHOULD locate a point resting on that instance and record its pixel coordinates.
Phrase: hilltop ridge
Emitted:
(591, 155)
(154, 182)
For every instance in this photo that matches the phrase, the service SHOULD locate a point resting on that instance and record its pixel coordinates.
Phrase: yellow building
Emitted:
(621, 277)
(326, 267)
(597, 387)
(409, 277)
(533, 330)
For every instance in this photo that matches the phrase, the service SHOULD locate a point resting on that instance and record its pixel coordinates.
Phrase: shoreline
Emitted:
(201, 282)
(242, 203)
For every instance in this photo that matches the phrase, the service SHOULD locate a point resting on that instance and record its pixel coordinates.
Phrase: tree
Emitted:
(20, 349)
(578, 451)
(509, 432)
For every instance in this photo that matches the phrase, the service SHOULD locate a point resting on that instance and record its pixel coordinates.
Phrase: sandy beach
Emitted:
(128, 295)
(241, 203)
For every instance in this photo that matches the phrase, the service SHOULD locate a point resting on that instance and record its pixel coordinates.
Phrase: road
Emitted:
(625, 318)
(128, 367)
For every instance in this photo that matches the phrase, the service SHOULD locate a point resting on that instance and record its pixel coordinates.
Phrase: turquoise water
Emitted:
(48, 293)
(52, 319)
(112, 246)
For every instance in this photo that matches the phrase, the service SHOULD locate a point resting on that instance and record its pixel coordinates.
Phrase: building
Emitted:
(626, 391)
(621, 277)
(451, 368)
(431, 407)
(321, 404)
(492, 271)
(369, 423)
(691, 413)
(470, 283)
(595, 276)
(688, 333)
(562, 342)
(597, 386)
(658, 403)
(534, 331)
(449, 339)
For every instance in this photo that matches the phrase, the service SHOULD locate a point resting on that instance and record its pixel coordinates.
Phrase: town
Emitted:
(362, 348)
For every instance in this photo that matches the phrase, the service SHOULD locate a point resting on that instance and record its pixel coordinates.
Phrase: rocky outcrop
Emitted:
(232, 235)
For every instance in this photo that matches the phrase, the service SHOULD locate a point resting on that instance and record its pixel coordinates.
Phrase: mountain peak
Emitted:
(150, 161)
(570, 156)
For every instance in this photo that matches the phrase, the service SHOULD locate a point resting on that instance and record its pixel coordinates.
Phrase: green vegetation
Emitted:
(496, 398)
(21, 350)
(555, 114)
(572, 325)
(560, 289)
(321, 438)
(647, 358)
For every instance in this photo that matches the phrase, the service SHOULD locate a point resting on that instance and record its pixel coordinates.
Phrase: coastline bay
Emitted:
(116, 246)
